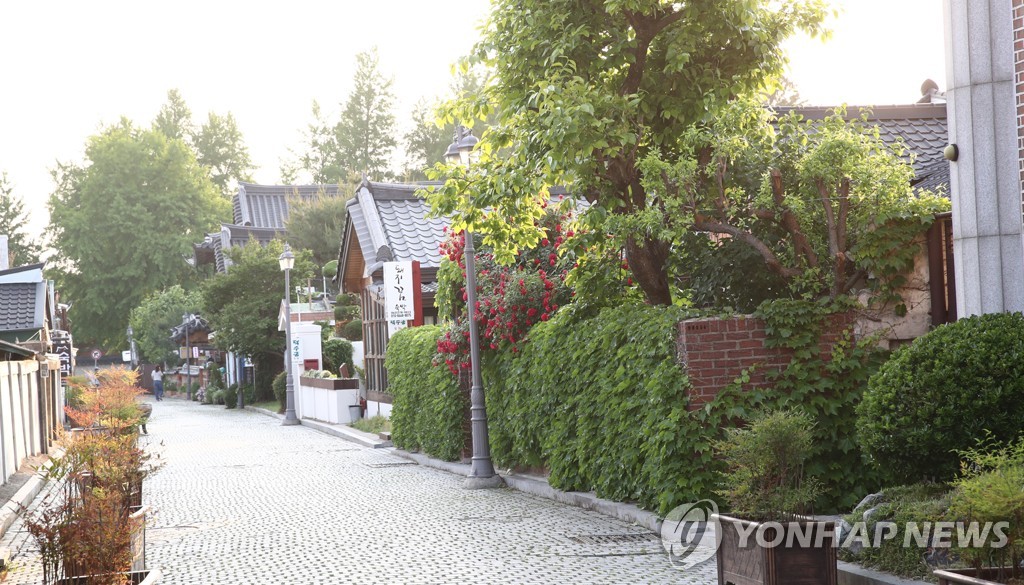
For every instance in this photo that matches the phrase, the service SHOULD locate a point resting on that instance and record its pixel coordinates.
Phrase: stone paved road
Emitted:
(243, 500)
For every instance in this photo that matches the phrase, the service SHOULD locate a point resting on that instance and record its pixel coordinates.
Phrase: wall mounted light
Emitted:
(951, 152)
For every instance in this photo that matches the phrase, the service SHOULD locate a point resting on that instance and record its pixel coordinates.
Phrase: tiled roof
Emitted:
(21, 306)
(922, 127)
(412, 235)
(211, 249)
(266, 206)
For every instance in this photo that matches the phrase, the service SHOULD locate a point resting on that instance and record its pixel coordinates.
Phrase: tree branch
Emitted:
(790, 222)
(702, 223)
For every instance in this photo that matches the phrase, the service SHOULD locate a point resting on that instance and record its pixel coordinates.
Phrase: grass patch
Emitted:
(271, 405)
(374, 424)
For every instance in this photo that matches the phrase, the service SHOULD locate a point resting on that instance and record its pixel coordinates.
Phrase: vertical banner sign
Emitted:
(62, 347)
(398, 296)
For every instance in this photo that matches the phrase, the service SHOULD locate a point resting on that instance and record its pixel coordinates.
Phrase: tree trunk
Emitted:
(647, 262)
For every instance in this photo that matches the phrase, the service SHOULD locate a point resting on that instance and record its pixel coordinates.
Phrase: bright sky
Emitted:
(68, 67)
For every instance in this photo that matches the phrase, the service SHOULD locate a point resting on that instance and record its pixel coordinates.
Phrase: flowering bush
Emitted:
(510, 299)
(112, 404)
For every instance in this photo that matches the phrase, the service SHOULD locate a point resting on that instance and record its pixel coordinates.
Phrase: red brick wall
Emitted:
(1018, 60)
(715, 352)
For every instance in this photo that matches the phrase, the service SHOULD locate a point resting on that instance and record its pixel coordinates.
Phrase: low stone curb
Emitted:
(540, 487)
(24, 496)
(851, 574)
(342, 431)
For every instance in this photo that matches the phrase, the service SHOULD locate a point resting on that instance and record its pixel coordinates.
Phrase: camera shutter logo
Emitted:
(688, 534)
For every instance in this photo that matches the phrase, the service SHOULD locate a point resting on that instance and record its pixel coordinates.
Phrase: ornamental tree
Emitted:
(584, 90)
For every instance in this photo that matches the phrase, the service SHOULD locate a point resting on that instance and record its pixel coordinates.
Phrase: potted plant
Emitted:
(91, 528)
(769, 540)
(990, 490)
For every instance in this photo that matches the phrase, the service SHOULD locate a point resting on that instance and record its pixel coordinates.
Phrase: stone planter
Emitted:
(788, 563)
(972, 576)
(328, 399)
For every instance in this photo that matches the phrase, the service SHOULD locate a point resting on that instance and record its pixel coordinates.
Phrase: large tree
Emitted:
(316, 224)
(586, 89)
(152, 321)
(218, 143)
(426, 142)
(242, 305)
(366, 131)
(362, 139)
(123, 223)
(22, 249)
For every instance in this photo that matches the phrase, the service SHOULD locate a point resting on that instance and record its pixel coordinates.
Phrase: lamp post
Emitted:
(131, 348)
(188, 355)
(481, 472)
(287, 262)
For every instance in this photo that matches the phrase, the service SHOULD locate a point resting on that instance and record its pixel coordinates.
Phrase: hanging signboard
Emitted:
(62, 347)
(398, 295)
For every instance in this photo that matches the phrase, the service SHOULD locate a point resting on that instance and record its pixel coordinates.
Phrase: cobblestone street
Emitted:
(241, 499)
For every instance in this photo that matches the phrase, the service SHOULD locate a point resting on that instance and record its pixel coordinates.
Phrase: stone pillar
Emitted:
(984, 90)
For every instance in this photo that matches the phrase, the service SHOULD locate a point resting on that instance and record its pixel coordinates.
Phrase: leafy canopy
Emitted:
(585, 90)
(242, 304)
(316, 224)
(152, 321)
(122, 224)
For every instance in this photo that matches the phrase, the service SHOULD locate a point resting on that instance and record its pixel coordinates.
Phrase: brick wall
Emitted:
(715, 351)
(1018, 61)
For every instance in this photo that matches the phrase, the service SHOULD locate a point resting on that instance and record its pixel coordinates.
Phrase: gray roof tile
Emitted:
(266, 206)
(412, 235)
(20, 307)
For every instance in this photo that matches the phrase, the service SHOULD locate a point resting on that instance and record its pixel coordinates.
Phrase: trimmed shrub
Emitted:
(941, 394)
(229, 396)
(337, 351)
(280, 386)
(353, 330)
(428, 405)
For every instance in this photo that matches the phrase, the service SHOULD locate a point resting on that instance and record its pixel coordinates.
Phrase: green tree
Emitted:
(174, 120)
(22, 249)
(218, 144)
(366, 131)
(585, 90)
(316, 224)
(320, 160)
(220, 148)
(152, 321)
(242, 305)
(123, 223)
(426, 143)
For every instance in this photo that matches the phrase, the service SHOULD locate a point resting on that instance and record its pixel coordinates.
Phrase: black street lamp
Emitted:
(287, 262)
(188, 355)
(481, 472)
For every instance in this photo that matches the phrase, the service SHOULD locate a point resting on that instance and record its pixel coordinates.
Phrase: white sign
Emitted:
(398, 293)
(96, 354)
(126, 355)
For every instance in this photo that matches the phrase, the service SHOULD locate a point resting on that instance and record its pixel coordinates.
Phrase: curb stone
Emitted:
(341, 431)
(24, 496)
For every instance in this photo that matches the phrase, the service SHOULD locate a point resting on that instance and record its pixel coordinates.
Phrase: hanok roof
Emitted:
(922, 127)
(195, 323)
(389, 222)
(23, 311)
(259, 212)
(266, 206)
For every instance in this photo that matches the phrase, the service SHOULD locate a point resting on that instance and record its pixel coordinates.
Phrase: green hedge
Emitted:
(602, 403)
(337, 351)
(428, 406)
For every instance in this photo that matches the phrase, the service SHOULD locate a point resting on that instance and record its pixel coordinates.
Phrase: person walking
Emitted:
(158, 382)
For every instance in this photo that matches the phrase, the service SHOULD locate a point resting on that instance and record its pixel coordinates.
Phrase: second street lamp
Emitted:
(481, 471)
(287, 262)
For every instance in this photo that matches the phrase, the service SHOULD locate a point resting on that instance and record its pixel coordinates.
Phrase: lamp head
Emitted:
(286, 259)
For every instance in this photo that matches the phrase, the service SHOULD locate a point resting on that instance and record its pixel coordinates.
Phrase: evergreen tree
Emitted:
(366, 132)
(22, 249)
(220, 148)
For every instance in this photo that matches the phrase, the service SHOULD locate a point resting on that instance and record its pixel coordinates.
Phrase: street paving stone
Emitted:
(241, 499)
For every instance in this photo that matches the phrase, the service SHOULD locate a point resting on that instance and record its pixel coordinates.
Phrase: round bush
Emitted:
(941, 394)
(280, 386)
(336, 352)
(353, 330)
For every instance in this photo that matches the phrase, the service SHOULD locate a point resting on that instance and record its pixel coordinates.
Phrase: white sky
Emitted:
(68, 67)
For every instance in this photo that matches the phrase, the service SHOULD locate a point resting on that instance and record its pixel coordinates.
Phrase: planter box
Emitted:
(972, 576)
(150, 577)
(788, 563)
(327, 399)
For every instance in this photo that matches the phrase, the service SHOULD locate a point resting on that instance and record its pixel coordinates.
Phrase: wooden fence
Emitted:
(31, 410)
